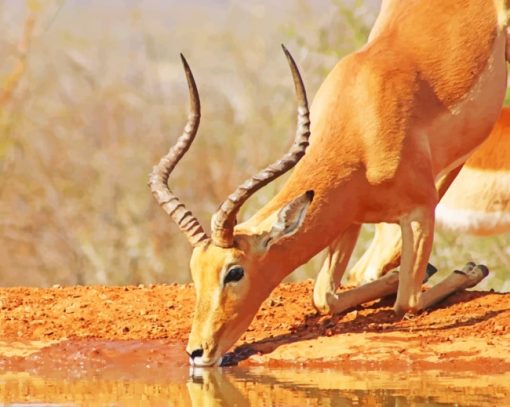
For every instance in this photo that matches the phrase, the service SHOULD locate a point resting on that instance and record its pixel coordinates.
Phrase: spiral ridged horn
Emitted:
(224, 219)
(158, 180)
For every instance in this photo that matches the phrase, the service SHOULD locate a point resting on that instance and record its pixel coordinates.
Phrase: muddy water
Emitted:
(156, 373)
(259, 387)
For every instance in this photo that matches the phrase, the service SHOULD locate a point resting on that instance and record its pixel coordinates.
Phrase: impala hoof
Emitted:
(474, 274)
(477, 274)
(484, 269)
(429, 272)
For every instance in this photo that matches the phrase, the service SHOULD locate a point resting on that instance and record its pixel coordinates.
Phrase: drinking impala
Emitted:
(388, 122)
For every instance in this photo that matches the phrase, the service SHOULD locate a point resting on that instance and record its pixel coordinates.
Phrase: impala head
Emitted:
(231, 270)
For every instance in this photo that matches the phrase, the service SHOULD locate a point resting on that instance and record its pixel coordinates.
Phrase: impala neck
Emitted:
(321, 226)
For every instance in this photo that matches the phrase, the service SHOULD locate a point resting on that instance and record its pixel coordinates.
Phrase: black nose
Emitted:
(196, 353)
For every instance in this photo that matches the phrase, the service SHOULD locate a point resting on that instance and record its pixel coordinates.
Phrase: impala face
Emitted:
(231, 270)
(225, 301)
(231, 284)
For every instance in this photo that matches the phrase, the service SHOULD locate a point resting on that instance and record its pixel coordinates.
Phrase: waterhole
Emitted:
(137, 373)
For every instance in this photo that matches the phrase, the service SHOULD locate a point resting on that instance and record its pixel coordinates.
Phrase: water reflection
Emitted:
(261, 386)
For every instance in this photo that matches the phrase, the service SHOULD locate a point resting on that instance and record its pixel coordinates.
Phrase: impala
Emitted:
(477, 203)
(387, 122)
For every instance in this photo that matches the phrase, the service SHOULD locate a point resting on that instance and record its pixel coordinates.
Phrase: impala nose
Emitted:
(196, 353)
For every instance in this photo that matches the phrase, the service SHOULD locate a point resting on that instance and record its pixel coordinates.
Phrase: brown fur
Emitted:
(387, 122)
(479, 187)
(494, 153)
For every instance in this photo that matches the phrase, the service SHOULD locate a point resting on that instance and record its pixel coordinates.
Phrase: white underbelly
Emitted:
(477, 202)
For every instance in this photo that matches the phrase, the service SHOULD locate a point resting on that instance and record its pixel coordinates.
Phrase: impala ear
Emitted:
(289, 219)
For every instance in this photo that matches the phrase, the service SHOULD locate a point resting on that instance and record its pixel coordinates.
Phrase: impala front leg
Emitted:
(330, 275)
(382, 256)
(417, 237)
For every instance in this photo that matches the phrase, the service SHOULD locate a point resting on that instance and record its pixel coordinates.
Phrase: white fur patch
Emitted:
(477, 202)
(472, 222)
(477, 178)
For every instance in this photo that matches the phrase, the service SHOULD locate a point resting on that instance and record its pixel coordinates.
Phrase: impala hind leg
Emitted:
(382, 287)
(468, 277)
(417, 237)
(389, 283)
(330, 275)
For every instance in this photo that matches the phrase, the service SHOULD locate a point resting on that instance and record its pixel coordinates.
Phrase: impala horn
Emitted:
(158, 180)
(224, 220)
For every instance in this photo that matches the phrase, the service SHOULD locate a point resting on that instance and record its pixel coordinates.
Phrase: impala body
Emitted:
(386, 124)
(477, 202)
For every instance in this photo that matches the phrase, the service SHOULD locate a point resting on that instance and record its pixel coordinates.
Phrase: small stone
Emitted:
(352, 314)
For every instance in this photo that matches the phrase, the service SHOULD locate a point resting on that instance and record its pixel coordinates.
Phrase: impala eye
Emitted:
(234, 274)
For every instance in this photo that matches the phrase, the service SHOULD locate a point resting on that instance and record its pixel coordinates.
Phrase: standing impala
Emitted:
(477, 202)
(388, 121)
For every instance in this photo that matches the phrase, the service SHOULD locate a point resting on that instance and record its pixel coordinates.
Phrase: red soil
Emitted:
(469, 330)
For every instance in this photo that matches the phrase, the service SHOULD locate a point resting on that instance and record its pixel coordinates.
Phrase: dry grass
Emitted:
(102, 98)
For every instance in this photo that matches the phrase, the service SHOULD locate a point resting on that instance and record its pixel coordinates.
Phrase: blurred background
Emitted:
(92, 94)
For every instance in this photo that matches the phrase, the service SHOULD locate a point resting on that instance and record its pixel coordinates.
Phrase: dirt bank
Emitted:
(469, 331)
